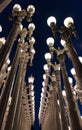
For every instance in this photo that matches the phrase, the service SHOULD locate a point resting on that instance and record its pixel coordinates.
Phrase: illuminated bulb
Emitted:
(43, 84)
(63, 93)
(43, 90)
(50, 20)
(33, 51)
(8, 61)
(73, 71)
(32, 40)
(48, 56)
(0, 28)
(50, 41)
(75, 87)
(31, 8)
(70, 80)
(44, 76)
(63, 42)
(9, 68)
(80, 58)
(45, 67)
(17, 7)
(31, 79)
(68, 22)
(3, 40)
(31, 26)
(42, 95)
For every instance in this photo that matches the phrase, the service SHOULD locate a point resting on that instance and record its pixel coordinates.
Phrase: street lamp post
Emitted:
(21, 14)
(65, 34)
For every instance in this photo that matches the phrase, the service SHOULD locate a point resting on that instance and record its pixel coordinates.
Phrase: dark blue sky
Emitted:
(45, 8)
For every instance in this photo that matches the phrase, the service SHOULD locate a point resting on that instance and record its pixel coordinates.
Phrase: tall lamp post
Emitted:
(24, 56)
(65, 33)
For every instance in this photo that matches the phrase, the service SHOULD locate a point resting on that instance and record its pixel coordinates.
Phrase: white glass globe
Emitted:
(80, 58)
(70, 80)
(31, 79)
(17, 7)
(3, 40)
(32, 40)
(9, 68)
(63, 93)
(50, 40)
(8, 61)
(63, 42)
(43, 84)
(48, 56)
(50, 20)
(44, 76)
(0, 28)
(31, 26)
(68, 21)
(43, 90)
(42, 95)
(33, 51)
(45, 67)
(31, 8)
(73, 71)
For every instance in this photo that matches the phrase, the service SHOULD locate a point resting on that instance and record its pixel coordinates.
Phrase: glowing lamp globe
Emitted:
(80, 58)
(31, 8)
(31, 79)
(17, 7)
(68, 22)
(0, 28)
(50, 41)
(70, 80)
(48, 56)
(31, 26)
(50, 20)
(64, 93)
(46, 67)
(63, 42)
(73, 71)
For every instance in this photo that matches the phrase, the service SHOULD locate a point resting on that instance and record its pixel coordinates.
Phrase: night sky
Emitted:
(45, 8)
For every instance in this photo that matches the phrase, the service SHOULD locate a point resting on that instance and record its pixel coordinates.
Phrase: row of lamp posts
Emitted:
(17, 103)
(61, 111)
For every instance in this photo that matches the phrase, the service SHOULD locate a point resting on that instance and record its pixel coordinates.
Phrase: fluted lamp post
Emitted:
(56, 69)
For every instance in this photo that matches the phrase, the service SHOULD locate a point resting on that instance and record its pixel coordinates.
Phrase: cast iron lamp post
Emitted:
(65, 34)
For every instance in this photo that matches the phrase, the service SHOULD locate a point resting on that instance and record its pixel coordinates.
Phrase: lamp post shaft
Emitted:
(13, 107)
(62, 110)
(5, 51)
(76, 62)
(73, 115)
(8, 86)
